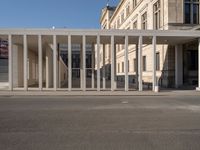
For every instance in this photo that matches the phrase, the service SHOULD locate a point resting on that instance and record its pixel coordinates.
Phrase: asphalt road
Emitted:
(100, 123)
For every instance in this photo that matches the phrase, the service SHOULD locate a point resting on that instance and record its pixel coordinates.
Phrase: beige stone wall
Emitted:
(175, 9)
(172, 18)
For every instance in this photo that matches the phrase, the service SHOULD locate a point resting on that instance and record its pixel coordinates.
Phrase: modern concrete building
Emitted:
(35, 62)
(142, 45)
(176, 65)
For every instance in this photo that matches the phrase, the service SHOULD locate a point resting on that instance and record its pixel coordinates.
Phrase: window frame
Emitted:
(144, 63)
(144, 21)
(191, 4)
(157, 61)
(157, 15)
(122, 67)
(134, 4)
(135, 24)
(128, 10)
(135, 64)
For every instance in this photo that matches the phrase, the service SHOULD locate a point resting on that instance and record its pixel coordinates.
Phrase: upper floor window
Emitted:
(156, 11)
(135, 25)
(118, 23)
(127, 10)
(144, 21)
(134, 3)
(122, 17)
(192, 11)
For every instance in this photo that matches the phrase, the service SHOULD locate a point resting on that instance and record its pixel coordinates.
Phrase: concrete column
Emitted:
(40, 61)
(154, 82)
(126, 64)
(115, 69)
(81, 66)
(55, 62)
(98, 63)
(104, 68)
(140, 63)
(25, 62)
(112, 63)
(198, 88)
(93, 64)
(84, 64)
(47, 72)
(136, 69)
(10, 57)
(69, 64)
(58, 66)
(178, 66)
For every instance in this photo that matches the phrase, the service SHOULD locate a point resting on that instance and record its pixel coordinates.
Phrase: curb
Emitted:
(95, 93)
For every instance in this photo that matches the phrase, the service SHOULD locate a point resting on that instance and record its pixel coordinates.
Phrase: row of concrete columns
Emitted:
(83, 74)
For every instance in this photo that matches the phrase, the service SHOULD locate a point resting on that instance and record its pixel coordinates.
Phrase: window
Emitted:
(157, 61)
(135, 25)
(191, 11)
(122, 17)
(118, 68)
(135, 65)
(118, 23)
(144, 63)
(144, 21)
(192, 58)
(127, 10)
(156, 11)
(134, 3)
(122, 66)
(128, 65)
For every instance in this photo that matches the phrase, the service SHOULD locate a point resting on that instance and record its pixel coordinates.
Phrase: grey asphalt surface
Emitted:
(100, 123)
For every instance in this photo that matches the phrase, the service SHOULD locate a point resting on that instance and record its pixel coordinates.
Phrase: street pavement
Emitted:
(100, 122)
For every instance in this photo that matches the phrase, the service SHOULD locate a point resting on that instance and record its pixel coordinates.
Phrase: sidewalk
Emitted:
(101, 93)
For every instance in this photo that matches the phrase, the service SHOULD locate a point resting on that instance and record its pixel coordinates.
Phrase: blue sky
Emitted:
(48, 13)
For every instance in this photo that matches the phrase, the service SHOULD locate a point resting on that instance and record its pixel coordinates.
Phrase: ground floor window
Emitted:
(118, 67)
(157, 61)
(192, 60)
(135, 65)
(128, 66)
(144, 63)
(122, 66)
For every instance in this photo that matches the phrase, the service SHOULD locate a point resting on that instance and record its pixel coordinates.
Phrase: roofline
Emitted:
(96, 32)
(117, 8)
(102, 16)
(107, 9)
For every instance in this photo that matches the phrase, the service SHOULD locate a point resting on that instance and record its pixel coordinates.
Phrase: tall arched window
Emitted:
(191, 11)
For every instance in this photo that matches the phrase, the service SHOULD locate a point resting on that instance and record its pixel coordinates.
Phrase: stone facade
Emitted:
(140, 15)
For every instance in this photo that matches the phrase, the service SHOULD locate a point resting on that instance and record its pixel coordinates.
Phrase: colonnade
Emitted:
(140, 38)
